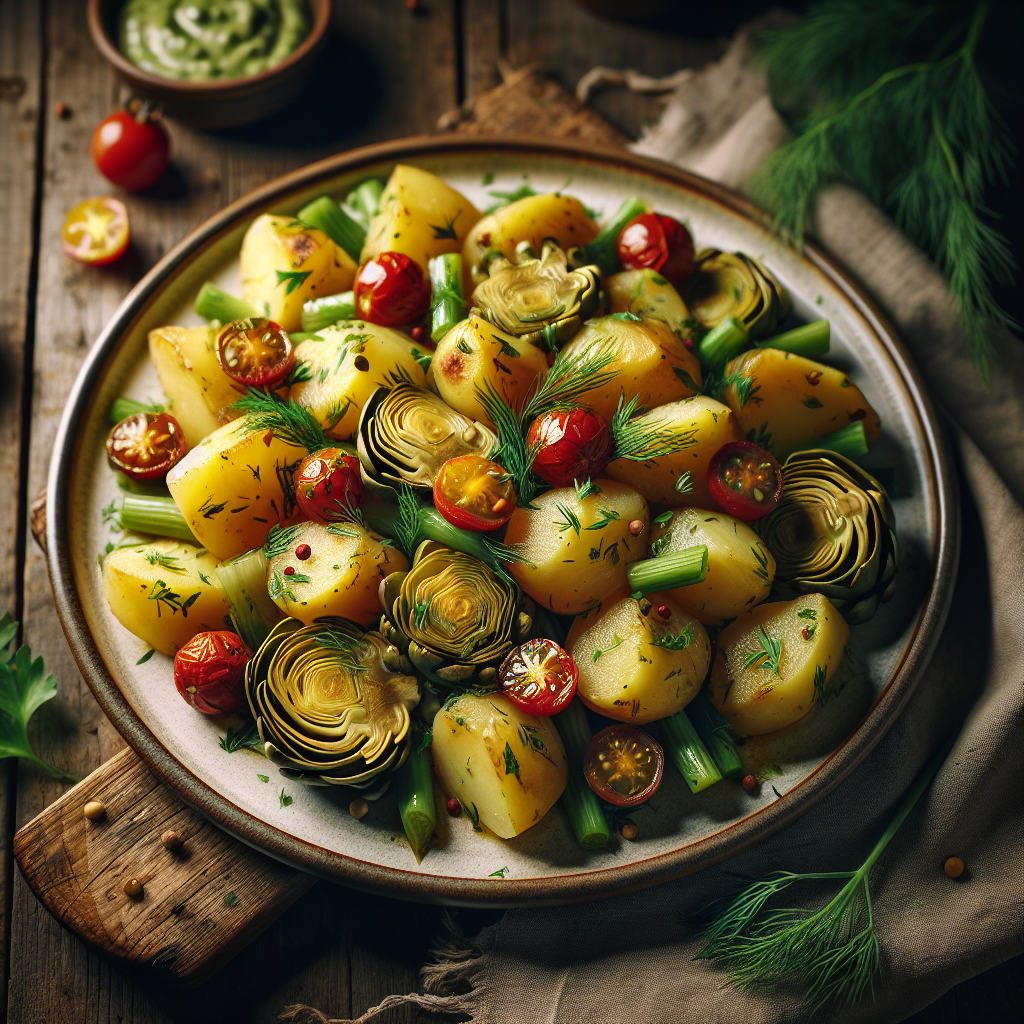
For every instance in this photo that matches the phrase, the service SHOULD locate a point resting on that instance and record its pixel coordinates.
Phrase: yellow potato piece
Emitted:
(754, 698)
(165, 592)
(645, 293)
(506, 767)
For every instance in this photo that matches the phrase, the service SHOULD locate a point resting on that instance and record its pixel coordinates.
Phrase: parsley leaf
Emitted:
(292, 278)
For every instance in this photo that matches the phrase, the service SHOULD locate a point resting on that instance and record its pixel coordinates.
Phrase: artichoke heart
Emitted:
(538, 298)
(735, 284)
(454, 618)
(330, 702)
(834, 533)
(406, 434)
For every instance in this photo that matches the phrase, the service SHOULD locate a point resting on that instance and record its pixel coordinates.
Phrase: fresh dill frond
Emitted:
(513, 453)
(287, 420)
(407, 528)
(568, 520)
(767, 655)
(675, 641)
(571, 376)
(638, 442)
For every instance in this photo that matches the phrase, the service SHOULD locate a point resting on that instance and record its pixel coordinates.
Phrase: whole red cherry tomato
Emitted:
(96, 231)
(624, 765)
(255, 352)
(146, 445)
(328, 486)
(473, 493)
(660, 243)
(131, 150)
(209, 672)
(572, 444)
(391, 290)
(540, 677)
(745, 480)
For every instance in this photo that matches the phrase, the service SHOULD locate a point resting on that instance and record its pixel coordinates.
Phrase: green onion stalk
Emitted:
(155, 515)
(675, 569)
(850, 441)
(603, 250)
(447, 306)
(244, 580)
(213, 303)
(414, 787)
(726, 339)
(717, 734)
(122, 408)
(810, 340)
(320, 313)
(589, 824)
(324, 213)
(684, 747)
(364, 201)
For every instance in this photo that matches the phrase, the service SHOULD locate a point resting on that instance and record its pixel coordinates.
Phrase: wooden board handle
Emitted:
(199, 906)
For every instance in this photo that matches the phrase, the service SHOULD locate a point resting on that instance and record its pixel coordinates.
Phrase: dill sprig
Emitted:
(569, 377)
(637, 442)
(287, 420)
(407, 527)
(768, 654)
(888, 95)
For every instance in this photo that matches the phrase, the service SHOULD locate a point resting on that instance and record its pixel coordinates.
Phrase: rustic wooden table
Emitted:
(392, 73)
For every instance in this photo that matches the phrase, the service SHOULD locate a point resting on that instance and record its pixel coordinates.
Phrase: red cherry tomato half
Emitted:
(256, 352)
(745, 480)
(474, 494)
(328, 486)
(96, 231)
(131, 150)
(624, 765)
(572, 444)
(392, 290)
(660, 243)
(540, 677)
(146, 445)
(209, 672)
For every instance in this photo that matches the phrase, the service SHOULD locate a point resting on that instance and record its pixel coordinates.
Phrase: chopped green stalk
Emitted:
(447, 306)
(143, 513)
(810, 340)
(588, 822)
(850, 441)
(300, 336)
(364, 200)
(603, 250)
(725, 340)
(122, 408)
(717, 735)
(686, 751)
(675, 569)
(324, 213)
(244, 580)
(214, 304)
(320, 313)
(151, 487)
(414, 787)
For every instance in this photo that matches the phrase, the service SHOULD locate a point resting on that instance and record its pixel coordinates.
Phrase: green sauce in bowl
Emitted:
(204, 40)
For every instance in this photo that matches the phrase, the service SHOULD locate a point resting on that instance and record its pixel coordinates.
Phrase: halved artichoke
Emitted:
(406, 434)
(538, 298)
(331, 702)
(735, 284)
(834, 533)
(454, 618)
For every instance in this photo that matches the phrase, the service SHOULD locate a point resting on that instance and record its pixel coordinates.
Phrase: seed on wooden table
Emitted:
(171, 840)
(359, 808)
(94, 810)
(954, 867)
(133, 888)
(630, 831)
(62, 110)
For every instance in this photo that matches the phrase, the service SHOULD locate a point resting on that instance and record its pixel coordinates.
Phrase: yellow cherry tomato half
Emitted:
(474, 493)
(96, 231)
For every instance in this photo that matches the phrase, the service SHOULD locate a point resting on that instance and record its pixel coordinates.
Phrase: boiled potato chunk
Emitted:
(532, 219)
(198, 389)
(235, 486)
(340, 577)
(578, 549)
(419, 215)
(708, 425)
(740, 567)
(353, 360)
(165, 592)
(475, 353)
(755, 698)
(650, 363)
(784, 400)
(645, 293)
(506, 767)
(285, 263)
(638, 668)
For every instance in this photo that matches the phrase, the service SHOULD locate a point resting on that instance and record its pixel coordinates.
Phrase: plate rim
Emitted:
(590, 883)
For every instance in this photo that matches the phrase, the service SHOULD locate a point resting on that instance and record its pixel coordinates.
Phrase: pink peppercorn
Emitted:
(302, 552)
(417, 334)
(289, 570)
(454, 807)
(664, 611)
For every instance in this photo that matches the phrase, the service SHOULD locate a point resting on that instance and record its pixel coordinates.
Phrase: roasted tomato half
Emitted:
(96, 231)
(328, 487)
(391, 290)
(745, 480)
(624, 765)
(571, 444)
(255, 352)
(146, 445)
(209, 672)
(474, 493)
(540, 677)
(660, 243)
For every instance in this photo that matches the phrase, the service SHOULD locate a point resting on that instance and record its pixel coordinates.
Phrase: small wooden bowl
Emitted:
(217, 103)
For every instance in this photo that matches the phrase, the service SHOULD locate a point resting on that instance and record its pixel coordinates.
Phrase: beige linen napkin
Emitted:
(631, 958)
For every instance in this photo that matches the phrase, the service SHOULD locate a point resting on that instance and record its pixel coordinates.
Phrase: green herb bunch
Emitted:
(888, 94)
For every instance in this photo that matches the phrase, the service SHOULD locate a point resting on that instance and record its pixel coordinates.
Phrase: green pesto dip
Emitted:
(211, 39)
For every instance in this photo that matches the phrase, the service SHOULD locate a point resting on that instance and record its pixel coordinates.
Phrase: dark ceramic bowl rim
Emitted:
(215, 87)
(587, 884)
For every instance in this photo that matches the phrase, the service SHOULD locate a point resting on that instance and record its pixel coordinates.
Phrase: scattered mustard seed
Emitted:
(133, 888)
(94, 810)
(359, 808)
(954, 867)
